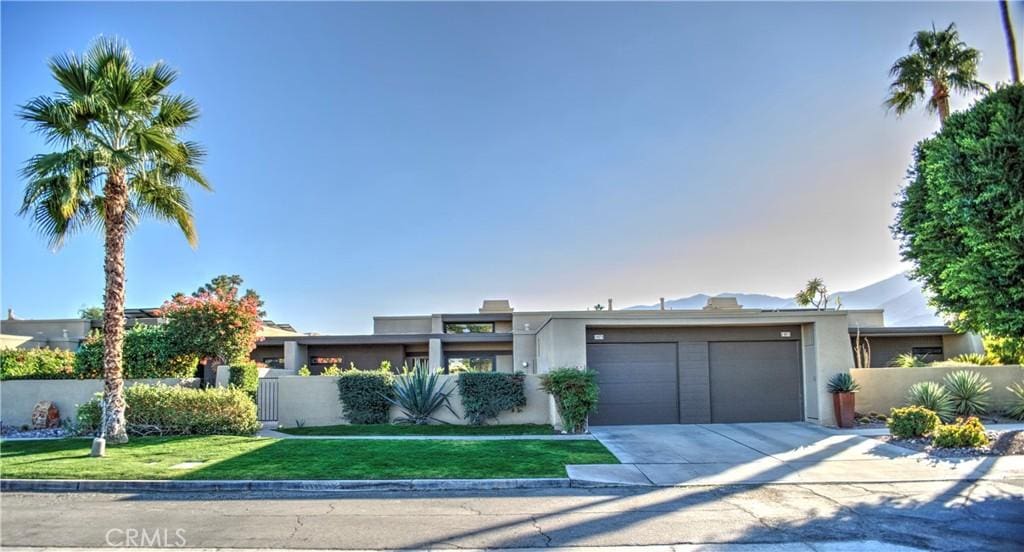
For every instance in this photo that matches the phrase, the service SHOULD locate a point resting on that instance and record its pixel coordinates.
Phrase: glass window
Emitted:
(459, 364)
(417, 362)
(468, 327)
(325, 360)
(926, 351)
(274, 362)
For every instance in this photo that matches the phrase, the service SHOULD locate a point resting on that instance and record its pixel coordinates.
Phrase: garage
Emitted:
(696, 375)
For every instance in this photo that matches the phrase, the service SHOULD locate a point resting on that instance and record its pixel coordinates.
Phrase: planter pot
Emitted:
(844, 409)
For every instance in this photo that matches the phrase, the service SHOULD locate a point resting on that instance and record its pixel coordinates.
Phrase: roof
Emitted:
(903, 331)
(388, 339)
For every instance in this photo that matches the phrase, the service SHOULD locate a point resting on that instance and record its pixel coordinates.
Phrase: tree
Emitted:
(938, 60)
(1011, 42)
(118, 159)
(814, 293)
(214, 322)
(90, 313)
(228, 286)
(599, 307)
(961, 216)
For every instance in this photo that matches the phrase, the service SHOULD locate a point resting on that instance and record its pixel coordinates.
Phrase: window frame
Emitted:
(447, 324)
(492, 356)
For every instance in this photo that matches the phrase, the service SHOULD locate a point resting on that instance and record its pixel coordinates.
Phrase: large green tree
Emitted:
(961, 216)
(938, 63)
(117, 158)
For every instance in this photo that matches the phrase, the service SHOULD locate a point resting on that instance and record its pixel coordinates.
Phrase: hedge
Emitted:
(164, 410)
(148, 353)
(487, 394)
(365, 396)
(245, 376)
(575, 393)
(36, 364)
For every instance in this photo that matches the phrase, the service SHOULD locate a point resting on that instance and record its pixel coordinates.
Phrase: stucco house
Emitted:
(722, 363)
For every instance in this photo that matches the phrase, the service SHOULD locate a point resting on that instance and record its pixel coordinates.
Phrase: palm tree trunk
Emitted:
(116, 195)
(940, 94)
(1011, 43)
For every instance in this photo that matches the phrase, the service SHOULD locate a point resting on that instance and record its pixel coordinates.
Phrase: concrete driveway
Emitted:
(770, 453)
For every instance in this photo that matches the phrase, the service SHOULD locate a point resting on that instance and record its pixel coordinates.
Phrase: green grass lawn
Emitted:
(436, 429)
(225, 457)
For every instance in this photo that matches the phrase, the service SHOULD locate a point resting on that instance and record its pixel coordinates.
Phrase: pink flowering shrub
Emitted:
(214, 324)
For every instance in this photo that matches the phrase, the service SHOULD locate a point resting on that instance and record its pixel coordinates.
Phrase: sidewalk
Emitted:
(279, 435)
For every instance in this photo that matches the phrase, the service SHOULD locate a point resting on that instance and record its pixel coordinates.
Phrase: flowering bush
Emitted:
(214, 324)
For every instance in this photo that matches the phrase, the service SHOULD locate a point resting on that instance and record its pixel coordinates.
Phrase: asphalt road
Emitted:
(984, 515)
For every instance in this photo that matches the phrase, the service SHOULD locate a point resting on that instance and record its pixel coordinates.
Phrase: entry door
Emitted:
(755, 381)
(638, 383)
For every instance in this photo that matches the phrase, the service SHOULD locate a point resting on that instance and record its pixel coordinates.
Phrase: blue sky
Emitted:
(414, 158)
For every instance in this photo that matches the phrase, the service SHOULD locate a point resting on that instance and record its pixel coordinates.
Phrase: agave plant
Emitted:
(907, 360)
(418, 394)
(842, 383)
(934, 397)
(1016, 408)
(969, 392)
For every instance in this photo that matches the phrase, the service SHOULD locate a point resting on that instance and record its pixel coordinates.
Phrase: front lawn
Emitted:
(226, 457)
(437, 429)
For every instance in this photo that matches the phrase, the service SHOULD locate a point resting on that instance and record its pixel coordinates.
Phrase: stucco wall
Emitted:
(885, 388)
(314, 401)
(18, 397)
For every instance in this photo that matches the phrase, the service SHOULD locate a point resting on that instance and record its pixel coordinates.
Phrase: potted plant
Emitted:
(842, 386)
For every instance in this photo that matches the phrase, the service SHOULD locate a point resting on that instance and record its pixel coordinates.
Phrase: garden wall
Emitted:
(313, 401)
(19, 397)
(882, 389)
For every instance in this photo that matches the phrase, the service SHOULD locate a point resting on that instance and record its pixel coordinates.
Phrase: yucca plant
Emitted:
(907, 360)
(934, 397)
(1016, 408)
(969, 392)
(418, 394)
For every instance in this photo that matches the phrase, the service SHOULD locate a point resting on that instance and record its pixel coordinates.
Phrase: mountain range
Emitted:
(903, 300)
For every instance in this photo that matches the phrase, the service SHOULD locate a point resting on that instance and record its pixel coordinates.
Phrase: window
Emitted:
(468, 327)
(325, 360)
(926, 351)
(470, 363)
(273, 362)
(417, 362)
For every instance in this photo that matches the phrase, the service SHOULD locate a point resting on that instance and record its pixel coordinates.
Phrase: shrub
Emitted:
(934, 397)
(245, 376)
(977, 359)
(969, 391)
(418, 394)
(575, 393)
(365, 396)
(214, 322)
(1016, 408)
(148, 353)
(907, 360)
(842, 383)
(964, 433)
(304, 371)
(164, 410)
(912, 421)
(331, 370)
(487, 394)
(36, 364)
(1009, 350)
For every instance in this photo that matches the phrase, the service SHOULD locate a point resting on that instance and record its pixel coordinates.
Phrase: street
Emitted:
(983, 515)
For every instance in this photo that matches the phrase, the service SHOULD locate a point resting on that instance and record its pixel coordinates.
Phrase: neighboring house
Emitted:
(722, 363)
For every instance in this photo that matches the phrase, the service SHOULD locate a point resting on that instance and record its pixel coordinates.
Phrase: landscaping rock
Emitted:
(45, 415)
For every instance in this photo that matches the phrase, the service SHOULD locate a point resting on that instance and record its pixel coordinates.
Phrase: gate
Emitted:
(266, 400)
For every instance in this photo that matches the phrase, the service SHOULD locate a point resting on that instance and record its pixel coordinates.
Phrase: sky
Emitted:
(385, 159)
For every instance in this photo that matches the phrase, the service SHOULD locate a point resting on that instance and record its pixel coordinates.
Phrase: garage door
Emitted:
(755, 381)
(638, 383)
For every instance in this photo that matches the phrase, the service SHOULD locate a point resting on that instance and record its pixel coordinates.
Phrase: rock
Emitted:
(45, 415)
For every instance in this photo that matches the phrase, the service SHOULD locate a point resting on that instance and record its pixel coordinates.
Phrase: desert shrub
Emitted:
(1009, 350)
(964, 433)
(245, 376)
(164, 410)
(304, 371)
(575, 393)
(842, 383)
(933, 396)
(331, 370)
(418, 394)
(907, 360)
(365, 396)
(912, 421)
(977, 359)
(36, 364)
(148, 353)
(1016, 408)
(969, 392)
(487, 394)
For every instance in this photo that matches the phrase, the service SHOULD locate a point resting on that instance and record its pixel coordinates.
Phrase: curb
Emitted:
(115, 486)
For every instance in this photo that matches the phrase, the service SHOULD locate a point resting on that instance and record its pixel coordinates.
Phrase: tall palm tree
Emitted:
(118, 159)
(1011, 42)
(939, 60)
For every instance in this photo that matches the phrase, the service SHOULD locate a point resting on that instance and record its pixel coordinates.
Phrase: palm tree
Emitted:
(939, 60)
(1011, 43)
(118, 159)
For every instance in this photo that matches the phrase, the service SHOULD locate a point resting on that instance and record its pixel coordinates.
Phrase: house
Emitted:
(722, 363)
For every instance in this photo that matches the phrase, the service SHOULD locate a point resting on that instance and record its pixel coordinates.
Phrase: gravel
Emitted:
(1001, 443)
(11, 432)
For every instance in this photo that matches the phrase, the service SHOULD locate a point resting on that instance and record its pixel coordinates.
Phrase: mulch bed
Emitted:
(1002, 443)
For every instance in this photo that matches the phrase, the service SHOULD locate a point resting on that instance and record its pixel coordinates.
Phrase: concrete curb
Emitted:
(131, 486)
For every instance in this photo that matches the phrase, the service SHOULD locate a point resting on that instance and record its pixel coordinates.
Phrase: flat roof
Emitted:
(879, 331)
(388, 339)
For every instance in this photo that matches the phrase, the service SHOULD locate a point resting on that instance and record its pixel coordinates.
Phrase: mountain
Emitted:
(903, 300)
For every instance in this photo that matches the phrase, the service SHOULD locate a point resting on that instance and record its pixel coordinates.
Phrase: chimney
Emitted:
(722, 303)
(10, 314)
(662, 301)
(495, 305)
(609, 304)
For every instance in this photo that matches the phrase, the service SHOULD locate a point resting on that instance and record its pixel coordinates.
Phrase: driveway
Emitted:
(769, 453)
